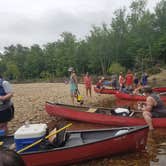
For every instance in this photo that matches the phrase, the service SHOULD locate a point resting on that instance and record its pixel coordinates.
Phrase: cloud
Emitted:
(39, 21)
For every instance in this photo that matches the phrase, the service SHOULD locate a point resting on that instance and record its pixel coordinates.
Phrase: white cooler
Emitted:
(28, 134)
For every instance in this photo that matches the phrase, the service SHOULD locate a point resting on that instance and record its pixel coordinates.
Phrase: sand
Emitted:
(29, 100)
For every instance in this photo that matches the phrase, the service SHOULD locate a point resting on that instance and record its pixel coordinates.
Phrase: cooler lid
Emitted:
(30, 131)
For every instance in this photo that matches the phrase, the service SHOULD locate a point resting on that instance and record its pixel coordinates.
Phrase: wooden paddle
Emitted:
(38, 141)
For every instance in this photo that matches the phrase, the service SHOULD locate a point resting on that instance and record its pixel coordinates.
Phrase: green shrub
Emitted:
(116, 68)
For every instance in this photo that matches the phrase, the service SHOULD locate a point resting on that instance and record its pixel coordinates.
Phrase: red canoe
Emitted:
(105, 90)
(104, 116)
(159, 89)
(87, 144)
(126, 96)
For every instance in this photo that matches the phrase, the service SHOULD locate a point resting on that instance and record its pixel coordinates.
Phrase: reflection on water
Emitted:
(158, 146)
(154, 154)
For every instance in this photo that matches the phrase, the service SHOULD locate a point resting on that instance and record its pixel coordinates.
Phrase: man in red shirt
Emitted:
(129, 80)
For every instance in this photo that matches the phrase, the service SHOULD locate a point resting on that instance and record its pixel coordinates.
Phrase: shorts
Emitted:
(6, 113)
(161, 113)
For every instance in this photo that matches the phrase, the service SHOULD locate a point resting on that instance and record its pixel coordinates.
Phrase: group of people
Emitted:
(131, 82)
(151, 108)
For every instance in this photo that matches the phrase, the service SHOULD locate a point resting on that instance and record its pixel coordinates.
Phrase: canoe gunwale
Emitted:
(57, 109)
(131, 130)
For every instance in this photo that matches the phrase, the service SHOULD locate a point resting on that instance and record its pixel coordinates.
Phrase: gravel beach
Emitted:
(29, 100)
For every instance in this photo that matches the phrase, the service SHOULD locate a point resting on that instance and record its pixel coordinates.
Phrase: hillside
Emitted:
(158, 79)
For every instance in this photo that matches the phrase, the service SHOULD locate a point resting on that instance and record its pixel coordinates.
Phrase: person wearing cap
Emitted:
(73, 83)
(153, 107)
(6, 106)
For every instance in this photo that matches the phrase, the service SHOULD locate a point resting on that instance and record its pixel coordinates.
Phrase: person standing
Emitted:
(114, 80)
(73, 84)
(144, 79)
(88, 84)
(136, 80)
(121, 81)
(6, 105)
(129, 80)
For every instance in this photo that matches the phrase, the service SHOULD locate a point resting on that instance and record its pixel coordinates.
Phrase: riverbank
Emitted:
(29, 100)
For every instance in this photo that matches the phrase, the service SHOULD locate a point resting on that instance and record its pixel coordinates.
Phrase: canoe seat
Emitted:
(74, 139)
(92, 110)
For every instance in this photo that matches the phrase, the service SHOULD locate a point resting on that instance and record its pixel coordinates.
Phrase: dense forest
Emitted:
(135, 39)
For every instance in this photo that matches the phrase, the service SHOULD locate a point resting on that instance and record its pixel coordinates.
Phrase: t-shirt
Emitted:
(7, 87)
(129, 79)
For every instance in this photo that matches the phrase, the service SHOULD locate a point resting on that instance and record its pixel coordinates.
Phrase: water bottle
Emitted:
(27, 123)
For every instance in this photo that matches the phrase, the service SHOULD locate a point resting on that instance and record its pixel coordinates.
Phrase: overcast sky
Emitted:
(31, 22)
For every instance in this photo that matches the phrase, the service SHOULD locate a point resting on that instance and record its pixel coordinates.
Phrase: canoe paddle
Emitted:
(40, 140)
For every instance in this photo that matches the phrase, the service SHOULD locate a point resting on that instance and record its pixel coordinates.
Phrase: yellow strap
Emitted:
(1, 143)
(38, 141)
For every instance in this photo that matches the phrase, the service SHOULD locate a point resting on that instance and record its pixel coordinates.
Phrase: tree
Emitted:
(116, 68)
(99, 49)
(12, 71)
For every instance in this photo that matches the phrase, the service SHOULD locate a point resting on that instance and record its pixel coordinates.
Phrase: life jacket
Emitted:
(158, 100)
(2, 91)
(159, 110)
(6, 107)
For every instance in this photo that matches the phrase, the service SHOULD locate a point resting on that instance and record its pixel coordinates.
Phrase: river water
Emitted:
(154, 154)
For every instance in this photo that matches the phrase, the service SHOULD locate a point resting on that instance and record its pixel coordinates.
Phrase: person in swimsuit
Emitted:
(73, 83)
(153, 107)
(88, 84)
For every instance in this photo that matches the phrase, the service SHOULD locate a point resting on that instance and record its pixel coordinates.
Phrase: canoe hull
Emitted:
(131, 97)
(159, 89)
(105, 90)
(73, 114)
(114, 91)
(131, 142)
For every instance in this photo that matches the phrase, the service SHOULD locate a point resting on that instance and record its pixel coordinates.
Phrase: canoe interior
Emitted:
(100, 110)
(79, 138)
